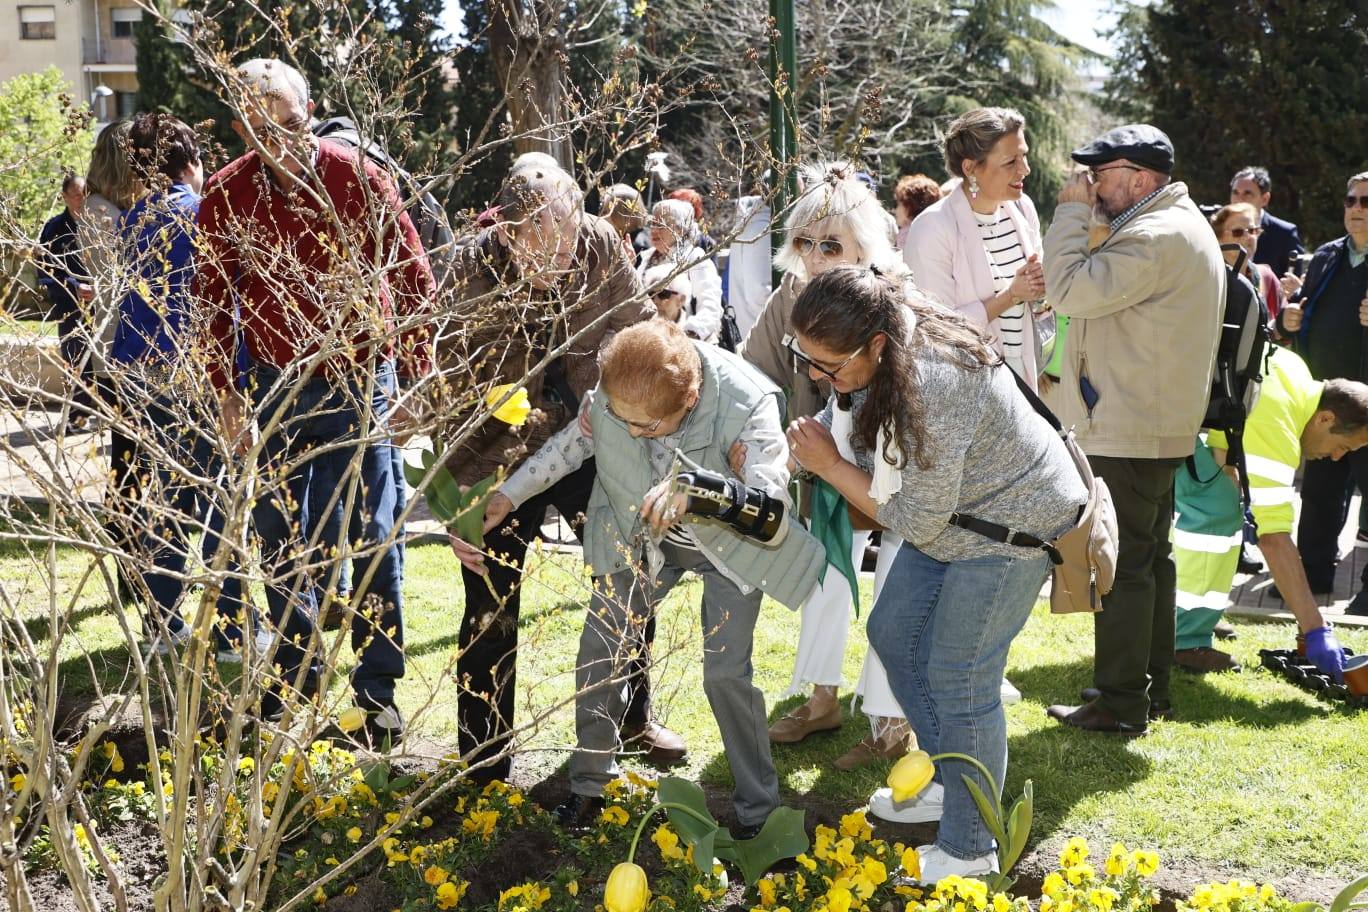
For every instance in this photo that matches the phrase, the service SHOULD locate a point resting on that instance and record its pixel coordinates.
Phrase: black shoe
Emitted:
(1092, 717)
(579, 813)
(1224, 630)
(746, 830)
(1358, 605)
(1159, 709)
(1248, 563)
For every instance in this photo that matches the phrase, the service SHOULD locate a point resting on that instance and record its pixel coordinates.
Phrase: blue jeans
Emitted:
(323, 414)
(183, 507)
(322, 503)
(942, 631)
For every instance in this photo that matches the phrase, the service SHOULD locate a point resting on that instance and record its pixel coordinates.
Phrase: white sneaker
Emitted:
(1010, 694)
(924, 808)
(936, 865)
(161, 645)
(264, 640)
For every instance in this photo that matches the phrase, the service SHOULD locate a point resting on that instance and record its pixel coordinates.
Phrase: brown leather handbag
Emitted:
(1084, 557)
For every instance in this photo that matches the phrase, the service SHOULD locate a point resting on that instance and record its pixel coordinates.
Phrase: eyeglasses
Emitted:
(665, 294)
(1252, 232)
(830, 373)
(644, 426)
(1350, 200)
(828, 247)
(1095, 172)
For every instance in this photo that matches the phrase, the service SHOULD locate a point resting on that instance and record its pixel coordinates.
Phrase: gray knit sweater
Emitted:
(991, 456)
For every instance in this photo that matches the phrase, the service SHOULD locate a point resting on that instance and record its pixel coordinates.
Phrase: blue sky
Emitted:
(1077, 20)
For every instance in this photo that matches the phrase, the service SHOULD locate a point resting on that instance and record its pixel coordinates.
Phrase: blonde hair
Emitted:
(653, 365)
(833, 195)
(111, 173)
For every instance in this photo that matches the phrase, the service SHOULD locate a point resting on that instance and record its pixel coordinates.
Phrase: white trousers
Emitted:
(825, 626)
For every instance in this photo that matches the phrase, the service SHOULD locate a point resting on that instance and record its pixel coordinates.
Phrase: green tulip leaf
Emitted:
(985, 808)
(673, 790)
(1345, 899)
(1018, 827)
(469, 518)
(704, 851)
(782, 836)
(1308, 907)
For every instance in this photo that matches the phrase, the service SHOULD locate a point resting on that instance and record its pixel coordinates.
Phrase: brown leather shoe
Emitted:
(1159, 709)
(1092, 717)
(800, 723)
(1204, 659)
(658, 745)
(871, 750)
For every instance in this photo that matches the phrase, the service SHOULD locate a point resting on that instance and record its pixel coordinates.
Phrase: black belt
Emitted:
(1003, 535)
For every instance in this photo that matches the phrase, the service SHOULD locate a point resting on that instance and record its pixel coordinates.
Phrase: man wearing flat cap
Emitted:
(1145, 311)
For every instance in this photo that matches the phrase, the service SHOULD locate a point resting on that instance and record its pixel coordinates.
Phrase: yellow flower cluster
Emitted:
(1076, 886)
(526, 897)
(1234, 896)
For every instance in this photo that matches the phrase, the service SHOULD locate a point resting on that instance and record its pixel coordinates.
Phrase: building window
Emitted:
(124, 19)
(126, 103)
(37, 22)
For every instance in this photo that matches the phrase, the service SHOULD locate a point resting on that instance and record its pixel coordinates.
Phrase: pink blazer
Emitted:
(944, 250)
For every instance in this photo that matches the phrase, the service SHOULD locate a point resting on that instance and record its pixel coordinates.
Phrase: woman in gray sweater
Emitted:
(941, 432)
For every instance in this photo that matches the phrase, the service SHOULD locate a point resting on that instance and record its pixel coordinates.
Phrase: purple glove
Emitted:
(1325, 652)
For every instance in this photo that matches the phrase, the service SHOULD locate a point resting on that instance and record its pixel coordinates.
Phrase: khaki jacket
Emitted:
(764, 347)
(497, 329)
(1145, 313)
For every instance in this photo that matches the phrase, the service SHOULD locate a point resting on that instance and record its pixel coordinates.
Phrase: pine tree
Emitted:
(1253, 82)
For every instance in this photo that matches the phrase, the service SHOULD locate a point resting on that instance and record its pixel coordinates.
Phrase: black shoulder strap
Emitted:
(1041, 408)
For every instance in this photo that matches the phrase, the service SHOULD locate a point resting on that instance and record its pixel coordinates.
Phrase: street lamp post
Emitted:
(783, 111)
(99, 92)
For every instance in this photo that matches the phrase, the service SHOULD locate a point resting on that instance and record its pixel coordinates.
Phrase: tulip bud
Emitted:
(626, 890)
(910, 775)
(352, 719)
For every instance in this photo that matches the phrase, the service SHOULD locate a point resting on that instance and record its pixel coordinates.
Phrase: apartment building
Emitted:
(90, 41)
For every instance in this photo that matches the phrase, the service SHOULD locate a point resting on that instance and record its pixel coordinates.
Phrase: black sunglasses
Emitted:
(802, 357)
(1351, 200)
(1241, 232)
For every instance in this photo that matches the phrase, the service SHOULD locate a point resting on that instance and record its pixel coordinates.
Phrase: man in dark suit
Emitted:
(1279, 241)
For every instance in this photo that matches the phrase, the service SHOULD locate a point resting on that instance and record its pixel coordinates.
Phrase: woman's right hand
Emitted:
(496, 511)
(1029, 282)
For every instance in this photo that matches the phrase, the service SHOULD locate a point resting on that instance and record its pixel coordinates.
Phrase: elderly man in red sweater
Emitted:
(309, 263)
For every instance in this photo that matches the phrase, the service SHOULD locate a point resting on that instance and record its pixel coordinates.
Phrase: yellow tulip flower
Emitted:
(513, 412)
(352, 719)
(626, 890)
(910, 775)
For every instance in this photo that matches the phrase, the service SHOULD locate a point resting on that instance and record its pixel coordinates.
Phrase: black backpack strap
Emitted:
(1003, 535)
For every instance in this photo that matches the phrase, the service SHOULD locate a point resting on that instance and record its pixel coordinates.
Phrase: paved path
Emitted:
(32, 452)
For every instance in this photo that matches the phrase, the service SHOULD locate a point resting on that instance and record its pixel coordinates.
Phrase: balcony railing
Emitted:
(109, 50)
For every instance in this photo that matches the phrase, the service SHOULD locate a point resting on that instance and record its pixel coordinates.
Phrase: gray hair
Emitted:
(1359, 178)
(834, 196)
(276, 79)
(529, 190)
(973, 134)
(679, 216)
(533, 160)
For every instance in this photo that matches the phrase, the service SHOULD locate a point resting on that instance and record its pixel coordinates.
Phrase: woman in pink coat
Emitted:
(977, 250)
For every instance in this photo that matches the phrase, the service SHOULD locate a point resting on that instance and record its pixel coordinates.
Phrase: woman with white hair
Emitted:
(836, 222)
(673, 229)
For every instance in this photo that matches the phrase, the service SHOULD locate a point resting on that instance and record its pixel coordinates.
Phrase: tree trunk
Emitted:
(526, 44)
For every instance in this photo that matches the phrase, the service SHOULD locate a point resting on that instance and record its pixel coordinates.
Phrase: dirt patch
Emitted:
(140, 859)
(372, 892)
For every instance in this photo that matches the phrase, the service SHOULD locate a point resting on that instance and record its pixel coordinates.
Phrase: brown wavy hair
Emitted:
(844, 308)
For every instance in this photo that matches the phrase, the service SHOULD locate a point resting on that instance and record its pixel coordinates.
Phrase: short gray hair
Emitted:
(1359, 178)
(276, 79)
(527, 191)
(973, 134)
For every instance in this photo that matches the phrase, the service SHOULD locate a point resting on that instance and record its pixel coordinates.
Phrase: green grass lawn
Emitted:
(28, 327)
(1256, 778)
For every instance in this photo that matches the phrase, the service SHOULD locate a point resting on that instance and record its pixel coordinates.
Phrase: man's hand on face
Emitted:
(1078, 189)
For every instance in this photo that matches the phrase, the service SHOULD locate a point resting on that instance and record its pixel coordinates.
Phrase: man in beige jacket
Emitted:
(1145, 311)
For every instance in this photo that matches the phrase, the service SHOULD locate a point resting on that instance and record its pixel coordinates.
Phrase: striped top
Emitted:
(1005, 256)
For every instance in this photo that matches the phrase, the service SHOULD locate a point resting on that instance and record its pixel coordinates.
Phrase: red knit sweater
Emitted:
(274, 264)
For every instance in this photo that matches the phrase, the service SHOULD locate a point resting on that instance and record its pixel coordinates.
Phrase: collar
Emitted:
(1135, 207)
(1356, 254)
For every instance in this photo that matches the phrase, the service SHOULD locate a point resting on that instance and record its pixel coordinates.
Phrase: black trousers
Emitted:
(487, 666)
(1327, 486)
(1133, 633)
